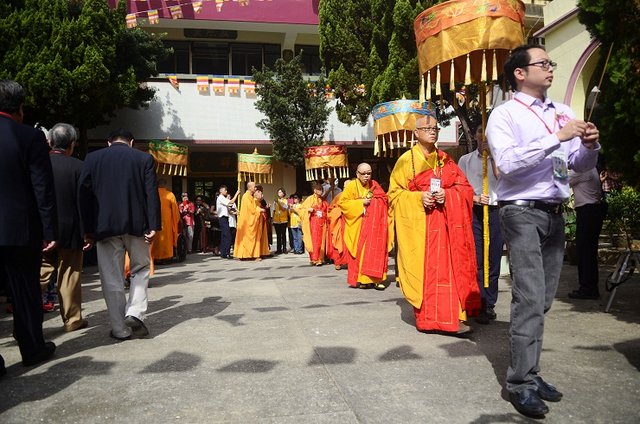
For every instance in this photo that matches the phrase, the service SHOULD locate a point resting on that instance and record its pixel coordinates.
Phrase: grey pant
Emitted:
(111, 266)
(535, 240)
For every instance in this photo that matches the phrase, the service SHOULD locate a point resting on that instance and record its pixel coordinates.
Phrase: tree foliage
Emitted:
(296, 110)
(76, 59)
(618, 112)
(369, 48)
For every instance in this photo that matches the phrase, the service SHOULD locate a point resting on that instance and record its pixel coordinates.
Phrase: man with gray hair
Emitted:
(67, 258)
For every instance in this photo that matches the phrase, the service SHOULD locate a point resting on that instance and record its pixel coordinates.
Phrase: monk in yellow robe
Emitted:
(431, 203)
(336, 250)
(313, 213)
(166, 239)
(364, 207)
(251, 234)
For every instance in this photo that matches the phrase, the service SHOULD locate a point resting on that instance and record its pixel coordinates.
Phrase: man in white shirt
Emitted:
(222, 210)
(471, 166)
(587, 192)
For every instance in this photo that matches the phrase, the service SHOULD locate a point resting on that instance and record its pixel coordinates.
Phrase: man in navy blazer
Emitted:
(120, 211)
(28, 223)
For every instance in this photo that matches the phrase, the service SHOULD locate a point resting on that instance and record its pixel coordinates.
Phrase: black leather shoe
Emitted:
(3, 370)
(121, 339)
(577, 294)
(547, 391)
(529, 403)
(44, 354)
(137, 326)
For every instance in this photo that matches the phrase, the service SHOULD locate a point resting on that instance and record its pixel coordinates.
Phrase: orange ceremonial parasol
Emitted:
(171, 158)
(326, 161)
(393, 125)
(255, 167)
(468, 41)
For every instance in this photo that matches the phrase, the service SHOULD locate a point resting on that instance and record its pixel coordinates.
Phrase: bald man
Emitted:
(251, 236)
(364, 206)
(431, 203)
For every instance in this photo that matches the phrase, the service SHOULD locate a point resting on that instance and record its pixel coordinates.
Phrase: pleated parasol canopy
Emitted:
(255, 167)
(466, 41)
(171, 158)
(393, 125)
(326, 161)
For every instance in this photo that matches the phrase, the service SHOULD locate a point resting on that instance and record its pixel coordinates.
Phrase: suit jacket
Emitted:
(118, 193)
(66, 175)
(28, 205)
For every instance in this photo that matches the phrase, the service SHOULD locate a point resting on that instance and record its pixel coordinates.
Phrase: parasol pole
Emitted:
(604, 69)
(485, 188)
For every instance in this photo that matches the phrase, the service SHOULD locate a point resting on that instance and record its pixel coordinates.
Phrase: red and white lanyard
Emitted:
(555, 121)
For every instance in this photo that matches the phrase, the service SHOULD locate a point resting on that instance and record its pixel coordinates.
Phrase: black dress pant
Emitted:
(281, 237)
(588, 226)
(20, 269)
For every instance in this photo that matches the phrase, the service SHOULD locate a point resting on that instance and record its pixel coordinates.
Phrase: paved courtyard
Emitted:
(279, 341)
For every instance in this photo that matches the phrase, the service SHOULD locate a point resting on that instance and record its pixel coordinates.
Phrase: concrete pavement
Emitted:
(280, 341)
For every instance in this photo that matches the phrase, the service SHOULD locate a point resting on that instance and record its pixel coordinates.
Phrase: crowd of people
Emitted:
(431, 218)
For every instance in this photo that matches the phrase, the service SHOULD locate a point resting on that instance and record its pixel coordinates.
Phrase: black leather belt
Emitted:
(491, 207)
(555, 208)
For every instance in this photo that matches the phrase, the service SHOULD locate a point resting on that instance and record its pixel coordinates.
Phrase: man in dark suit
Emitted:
(120, 210)
(67, 258)
(27, 221)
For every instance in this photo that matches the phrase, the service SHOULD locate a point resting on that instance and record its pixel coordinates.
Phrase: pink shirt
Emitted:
(187, 209)
(522, 138)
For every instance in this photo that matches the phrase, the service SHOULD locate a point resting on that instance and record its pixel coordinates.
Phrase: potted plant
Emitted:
(623, 214)
(570, 251)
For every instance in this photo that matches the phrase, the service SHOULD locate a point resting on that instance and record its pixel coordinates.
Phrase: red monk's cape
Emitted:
(373, 235)
(450, 258)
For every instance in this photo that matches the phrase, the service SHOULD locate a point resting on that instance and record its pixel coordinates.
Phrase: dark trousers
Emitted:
(281, 237)
(535, 240)
(490, 294)
(225, 236)
(20, 269)
(588, 226)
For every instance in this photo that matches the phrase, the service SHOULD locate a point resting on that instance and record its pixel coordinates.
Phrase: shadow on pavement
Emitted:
(30, 388)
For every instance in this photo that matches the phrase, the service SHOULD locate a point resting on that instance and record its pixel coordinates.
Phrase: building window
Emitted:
(245, 57)
(311, 63)
(271, 54)
(210, 58)
(178, 61)
(215, 58)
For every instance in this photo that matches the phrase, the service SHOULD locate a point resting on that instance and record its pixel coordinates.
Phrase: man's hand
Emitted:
(572, 129)
(310, 210)
(439, 196)
(49, 245)
(148, 237)
(591, 135)
(428, 201)
(366, 202)
(481, 199)
(88, 242)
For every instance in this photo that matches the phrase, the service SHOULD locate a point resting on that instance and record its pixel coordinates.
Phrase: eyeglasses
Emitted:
(544, 64)
(428, 129)
(363, 173)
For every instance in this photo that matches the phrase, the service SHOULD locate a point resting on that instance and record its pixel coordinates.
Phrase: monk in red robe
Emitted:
(336, 250)
(313, 212)
(364, 206)
(431, 202)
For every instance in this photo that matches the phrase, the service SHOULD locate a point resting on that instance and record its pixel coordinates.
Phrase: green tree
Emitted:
(296, 110)
(370, 50)
(76, 59)
(618, 113)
